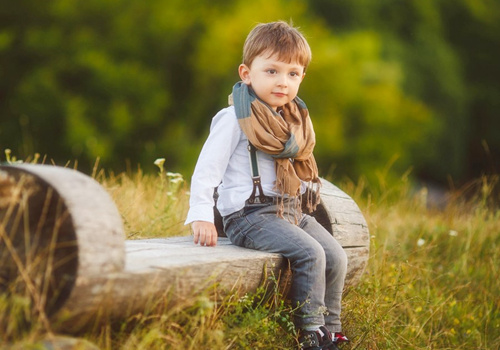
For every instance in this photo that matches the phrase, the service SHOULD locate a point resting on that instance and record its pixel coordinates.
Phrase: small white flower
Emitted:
(420, 242)
(174, 175)
(176, 180)
(453, 233)
(7, 155)
(159, 162)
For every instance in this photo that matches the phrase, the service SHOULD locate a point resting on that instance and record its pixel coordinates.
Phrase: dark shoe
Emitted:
(328, 343)
(312, 340)
(309, 340)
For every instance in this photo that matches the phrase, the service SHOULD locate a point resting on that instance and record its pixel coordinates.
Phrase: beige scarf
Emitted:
(288, 136)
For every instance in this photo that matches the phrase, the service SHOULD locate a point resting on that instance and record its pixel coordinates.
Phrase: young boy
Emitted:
(265, 214)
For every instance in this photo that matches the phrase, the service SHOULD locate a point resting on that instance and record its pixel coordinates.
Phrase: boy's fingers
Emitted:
(204, 233)
(203, 238)
(209, 238)
(213, 238)
(200, 237)
(196, 237)
(196, 232)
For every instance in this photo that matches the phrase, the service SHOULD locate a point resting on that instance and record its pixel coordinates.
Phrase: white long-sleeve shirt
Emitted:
(224, 162)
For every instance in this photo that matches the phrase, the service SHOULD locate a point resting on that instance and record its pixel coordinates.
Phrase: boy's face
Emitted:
(275, 82)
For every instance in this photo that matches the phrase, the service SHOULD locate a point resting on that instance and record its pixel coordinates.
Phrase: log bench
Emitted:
(62, 241)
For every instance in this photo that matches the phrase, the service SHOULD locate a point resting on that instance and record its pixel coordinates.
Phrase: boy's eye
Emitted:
(271, 71)
(294, 74)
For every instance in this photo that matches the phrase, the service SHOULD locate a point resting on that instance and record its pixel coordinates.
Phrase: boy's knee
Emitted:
(337, 259)
(315, 254)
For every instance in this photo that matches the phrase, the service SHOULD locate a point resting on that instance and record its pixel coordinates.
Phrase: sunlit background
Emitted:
(394, 87)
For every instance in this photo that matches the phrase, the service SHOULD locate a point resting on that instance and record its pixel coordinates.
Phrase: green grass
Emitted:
(432, 280)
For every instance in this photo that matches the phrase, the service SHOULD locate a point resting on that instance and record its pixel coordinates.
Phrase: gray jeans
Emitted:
(318, 262)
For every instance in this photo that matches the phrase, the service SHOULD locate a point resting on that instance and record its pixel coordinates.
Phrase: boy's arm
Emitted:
(214, 157)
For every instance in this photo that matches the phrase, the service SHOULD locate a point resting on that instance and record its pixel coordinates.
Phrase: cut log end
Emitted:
(56, 225)
(38, 246)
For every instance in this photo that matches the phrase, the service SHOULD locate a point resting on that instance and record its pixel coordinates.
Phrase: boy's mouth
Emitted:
(279, 94)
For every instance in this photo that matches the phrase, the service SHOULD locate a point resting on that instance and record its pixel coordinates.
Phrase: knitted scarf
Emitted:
(287, 136)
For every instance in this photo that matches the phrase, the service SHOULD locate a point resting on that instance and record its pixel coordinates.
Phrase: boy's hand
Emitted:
(205, 233)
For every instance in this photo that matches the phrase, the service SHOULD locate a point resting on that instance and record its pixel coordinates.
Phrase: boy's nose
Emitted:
(282, 81)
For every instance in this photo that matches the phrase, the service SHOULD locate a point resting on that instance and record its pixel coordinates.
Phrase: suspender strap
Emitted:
(261, 198)
(253, 160)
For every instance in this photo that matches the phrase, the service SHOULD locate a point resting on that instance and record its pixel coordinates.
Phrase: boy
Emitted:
(265, 213)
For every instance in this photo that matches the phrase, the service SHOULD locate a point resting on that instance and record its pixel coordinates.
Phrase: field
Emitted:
(432, 280)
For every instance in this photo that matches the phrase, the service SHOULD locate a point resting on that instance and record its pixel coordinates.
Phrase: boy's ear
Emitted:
(244, 72)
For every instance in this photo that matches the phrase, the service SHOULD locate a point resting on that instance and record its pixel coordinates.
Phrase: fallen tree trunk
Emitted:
(86, 271)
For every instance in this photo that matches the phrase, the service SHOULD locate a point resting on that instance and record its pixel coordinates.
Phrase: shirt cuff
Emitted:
(200, 213)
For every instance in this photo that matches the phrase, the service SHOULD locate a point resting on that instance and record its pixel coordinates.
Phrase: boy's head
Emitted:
(277, 39)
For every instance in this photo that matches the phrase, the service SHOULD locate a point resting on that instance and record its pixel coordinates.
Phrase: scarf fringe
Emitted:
(308, 202)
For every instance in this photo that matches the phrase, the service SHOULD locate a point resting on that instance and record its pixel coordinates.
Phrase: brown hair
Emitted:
(277, 38)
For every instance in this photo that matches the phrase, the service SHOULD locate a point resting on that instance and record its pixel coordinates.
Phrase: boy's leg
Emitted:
(259, 228)
(336, 269)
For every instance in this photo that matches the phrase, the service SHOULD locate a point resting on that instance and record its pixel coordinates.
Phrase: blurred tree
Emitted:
(364, 120)
(447, 51)
(99, 81)
(473, 30)
(125, 79)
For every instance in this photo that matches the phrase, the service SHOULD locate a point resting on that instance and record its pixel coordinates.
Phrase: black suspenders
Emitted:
(261, 198)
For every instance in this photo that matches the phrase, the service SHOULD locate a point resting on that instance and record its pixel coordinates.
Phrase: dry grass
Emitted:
(432, 280)
(151, 205)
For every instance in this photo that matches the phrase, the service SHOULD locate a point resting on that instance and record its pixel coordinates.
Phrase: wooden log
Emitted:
(97, 274)
(57, 226)
(341, 216)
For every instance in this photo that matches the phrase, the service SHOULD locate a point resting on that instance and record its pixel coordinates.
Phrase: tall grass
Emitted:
(151, 205)
(433, 276)
(432, 280)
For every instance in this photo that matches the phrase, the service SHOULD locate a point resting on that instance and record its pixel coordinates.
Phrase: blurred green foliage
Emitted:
(393, 84)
